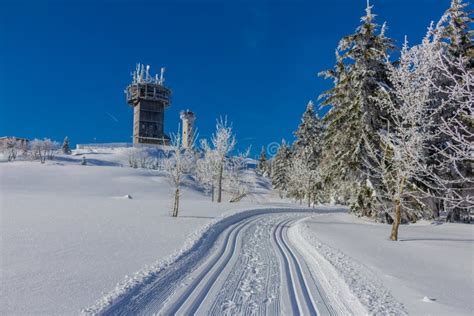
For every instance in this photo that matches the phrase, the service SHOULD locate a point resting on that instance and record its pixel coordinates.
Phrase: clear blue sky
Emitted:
(64, 64)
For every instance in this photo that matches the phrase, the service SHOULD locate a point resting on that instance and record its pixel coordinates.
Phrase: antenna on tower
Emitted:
(147, 75)
(162, 76)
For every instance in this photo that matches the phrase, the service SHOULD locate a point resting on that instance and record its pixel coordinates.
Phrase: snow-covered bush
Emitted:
(43, 150)
(140, 158)
(14, 149)
(237, 184)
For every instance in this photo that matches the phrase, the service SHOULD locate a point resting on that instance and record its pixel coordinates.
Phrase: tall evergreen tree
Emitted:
(262, 167)
(360, 70)
(66, 147)
(453, 29)
(281, 167)
(307, 151)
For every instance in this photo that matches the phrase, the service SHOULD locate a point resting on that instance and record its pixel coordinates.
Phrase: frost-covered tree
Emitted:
(454, 31)
(455, 36)
(453, 168)
(237, 183)
(83, 161)
(222, 143)
(302, 179)
(43, 150)
(400, 161)
(207, 168)
(66, 146)
(12, 149)
(281, 168)
(177, 162)
(307, 155)
(263, 164)
(360, 69)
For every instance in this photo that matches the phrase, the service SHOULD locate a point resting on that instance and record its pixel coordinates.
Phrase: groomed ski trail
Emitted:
(250, 268)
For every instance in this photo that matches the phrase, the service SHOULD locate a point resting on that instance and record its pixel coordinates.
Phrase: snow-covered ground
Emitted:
(100, 238)
(430, 271)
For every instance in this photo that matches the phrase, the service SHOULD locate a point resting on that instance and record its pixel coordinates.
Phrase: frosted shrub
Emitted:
(43, 150)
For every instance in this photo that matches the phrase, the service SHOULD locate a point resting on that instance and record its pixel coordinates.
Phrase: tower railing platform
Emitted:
(148, 91)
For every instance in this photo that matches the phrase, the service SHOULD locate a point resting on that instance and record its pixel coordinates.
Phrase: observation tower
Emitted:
(149, 98)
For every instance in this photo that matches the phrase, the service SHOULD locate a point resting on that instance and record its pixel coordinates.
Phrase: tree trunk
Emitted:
(397, 220)
(309, 199)
(176, 203)
(219, 184)
(212, 191)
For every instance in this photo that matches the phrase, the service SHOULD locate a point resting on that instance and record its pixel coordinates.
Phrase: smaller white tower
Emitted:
(187, 118)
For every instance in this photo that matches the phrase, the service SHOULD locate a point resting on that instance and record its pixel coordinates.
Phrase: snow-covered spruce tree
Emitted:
(400, 161)
(281, 168)
(306, 156)
(262, 166)
(454, 32)
(360, 69)
(177, 162)
(66, 147)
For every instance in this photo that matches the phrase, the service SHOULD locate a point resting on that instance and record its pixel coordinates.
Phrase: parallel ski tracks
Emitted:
(252, 268)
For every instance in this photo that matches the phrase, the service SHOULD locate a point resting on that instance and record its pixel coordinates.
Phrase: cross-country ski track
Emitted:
(249, 263)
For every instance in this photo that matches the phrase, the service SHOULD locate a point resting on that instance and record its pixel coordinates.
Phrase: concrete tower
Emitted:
(149, 97)
(187, 118)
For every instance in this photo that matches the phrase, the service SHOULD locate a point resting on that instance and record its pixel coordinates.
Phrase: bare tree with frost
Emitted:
(223, 142)
(177, 162)
(43, 150)
(12, 149)
(400, 161)
(207, 168)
